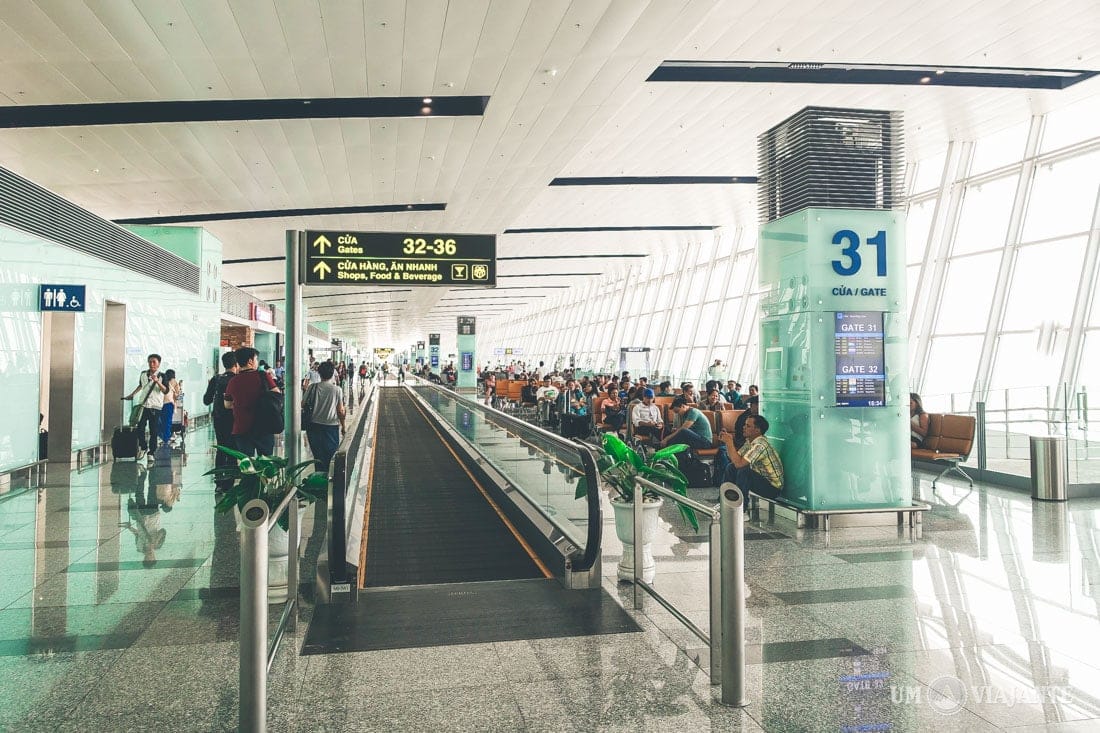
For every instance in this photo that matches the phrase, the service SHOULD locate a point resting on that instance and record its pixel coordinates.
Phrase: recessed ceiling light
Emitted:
(425, 110)
(925, 79)
(427, 100)
(939, 71)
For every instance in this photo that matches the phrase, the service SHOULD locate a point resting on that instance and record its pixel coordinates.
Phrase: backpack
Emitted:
(268, 412)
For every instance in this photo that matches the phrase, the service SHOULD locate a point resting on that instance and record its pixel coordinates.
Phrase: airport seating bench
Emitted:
(948, 443)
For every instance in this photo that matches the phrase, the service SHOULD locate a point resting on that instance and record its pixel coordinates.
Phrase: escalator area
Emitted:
(454, 523)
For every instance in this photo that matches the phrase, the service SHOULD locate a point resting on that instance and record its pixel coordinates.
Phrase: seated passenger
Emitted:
(572, 400)
(664, 389)
(646, 417)
(756, 468)
(713, 400)
(733, 395)
(529, 395)
(694, 428)
(918, 421)
(547, 397)
(713, 385)
(687, 391)
(614, 412)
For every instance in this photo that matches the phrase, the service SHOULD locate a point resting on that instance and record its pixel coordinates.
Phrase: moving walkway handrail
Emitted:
(588, 460)
(339, 469)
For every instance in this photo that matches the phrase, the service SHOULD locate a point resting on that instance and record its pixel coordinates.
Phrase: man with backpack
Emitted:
(243, 396)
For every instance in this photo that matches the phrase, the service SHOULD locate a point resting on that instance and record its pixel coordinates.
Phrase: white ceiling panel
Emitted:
(568, 97)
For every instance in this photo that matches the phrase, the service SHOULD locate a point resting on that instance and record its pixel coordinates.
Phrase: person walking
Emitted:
(168, 410)
(151, 386)
(242, 394)
(327, 413)
(223, 418)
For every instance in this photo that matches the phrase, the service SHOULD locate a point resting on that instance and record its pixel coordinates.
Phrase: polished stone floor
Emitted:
(118, 612)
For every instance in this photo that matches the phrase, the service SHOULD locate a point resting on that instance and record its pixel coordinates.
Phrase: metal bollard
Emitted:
(733, 597)
(639, 500)
(253, 631)
(715, 590)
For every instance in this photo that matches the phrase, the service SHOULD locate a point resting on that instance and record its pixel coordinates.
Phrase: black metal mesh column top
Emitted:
(830, 157)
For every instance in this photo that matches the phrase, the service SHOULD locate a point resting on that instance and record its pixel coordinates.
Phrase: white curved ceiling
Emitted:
(568, 97)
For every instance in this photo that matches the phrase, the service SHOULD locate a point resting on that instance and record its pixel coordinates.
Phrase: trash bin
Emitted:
(1048, 468)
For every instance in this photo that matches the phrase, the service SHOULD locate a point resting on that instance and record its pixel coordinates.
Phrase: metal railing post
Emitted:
(733, 597)
(715, 599)
(293, 533)
(253, 631)
(639, 541)
(981, 437)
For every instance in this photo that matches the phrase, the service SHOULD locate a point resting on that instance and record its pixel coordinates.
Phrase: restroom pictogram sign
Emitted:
(53, 297)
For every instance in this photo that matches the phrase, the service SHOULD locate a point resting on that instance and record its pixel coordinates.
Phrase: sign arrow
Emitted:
(322, 268)
(321, 242)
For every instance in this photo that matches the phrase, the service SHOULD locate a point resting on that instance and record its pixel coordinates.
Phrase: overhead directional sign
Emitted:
(389, 258)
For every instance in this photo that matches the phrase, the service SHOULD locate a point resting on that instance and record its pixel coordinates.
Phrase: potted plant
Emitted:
(269, 479)
(619, 465)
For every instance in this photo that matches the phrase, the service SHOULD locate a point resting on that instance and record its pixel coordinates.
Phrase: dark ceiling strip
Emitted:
(572, 257)
(282, 213)
(495, 297)
(346, 295)
(524, 287)
(344, 321)
(652, 180)
(462, 305)
(313, 308)
(227, 110)
(691, 228)
(253, 259)
(813, 72)
(262, 285)
(553, 274)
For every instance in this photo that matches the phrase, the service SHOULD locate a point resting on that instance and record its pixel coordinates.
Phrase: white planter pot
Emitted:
(624, 529)
(278, 564)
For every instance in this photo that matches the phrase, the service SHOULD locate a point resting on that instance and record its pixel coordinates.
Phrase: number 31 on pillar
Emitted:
(851, 260)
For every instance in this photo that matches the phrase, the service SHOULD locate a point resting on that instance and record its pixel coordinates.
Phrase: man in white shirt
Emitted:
(152, 387)
(646, 417)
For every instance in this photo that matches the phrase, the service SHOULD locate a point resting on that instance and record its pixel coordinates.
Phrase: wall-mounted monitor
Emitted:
(859, 343)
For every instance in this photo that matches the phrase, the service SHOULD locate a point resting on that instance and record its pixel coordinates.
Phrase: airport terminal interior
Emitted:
(802, 295)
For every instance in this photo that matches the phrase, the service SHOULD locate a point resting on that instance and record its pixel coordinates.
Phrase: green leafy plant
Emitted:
(269, 478)
(619, 465)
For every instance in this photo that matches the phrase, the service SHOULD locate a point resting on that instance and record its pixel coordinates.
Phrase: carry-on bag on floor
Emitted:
(575, 426)
(697, 471)
(124, 443)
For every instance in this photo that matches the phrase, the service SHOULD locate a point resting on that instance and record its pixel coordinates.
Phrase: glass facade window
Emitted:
(1037, 267)
(699, 300)
(1063, 197)
(983, 223)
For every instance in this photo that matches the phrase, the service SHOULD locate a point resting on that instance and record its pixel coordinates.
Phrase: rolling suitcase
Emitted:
(124, 443)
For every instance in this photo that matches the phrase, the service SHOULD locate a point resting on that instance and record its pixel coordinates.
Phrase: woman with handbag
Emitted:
(323, 416)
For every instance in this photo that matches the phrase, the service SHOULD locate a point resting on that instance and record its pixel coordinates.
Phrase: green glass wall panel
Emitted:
(813, 264)
(185, 242)
(181, 326)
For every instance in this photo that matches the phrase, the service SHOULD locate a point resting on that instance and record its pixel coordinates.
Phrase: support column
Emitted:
(295, 343)
(467, 353)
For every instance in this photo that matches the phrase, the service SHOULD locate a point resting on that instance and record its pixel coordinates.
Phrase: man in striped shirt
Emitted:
(756, 467)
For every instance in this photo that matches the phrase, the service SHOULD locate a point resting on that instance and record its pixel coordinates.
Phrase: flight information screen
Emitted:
(859, 343)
